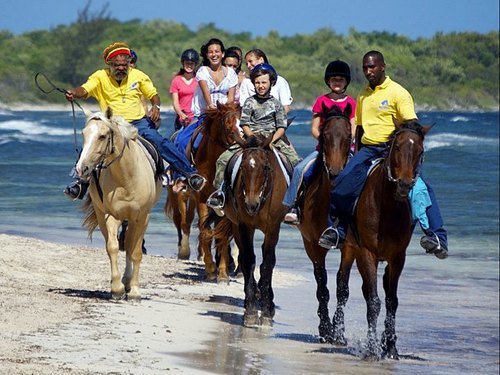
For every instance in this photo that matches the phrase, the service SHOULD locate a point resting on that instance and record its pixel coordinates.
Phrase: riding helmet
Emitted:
(190, 55)
(263, 69)
(338, 68)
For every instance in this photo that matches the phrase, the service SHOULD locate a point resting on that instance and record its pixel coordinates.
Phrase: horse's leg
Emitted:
(205, 242)
(391, 278)
(222, 248)
(317, 255)
(176, 217)
(109, 226)
(367, 266)
(234, 255)
(266, 274)
(343, 274)
(133, 241)
(186, 211)
(243, 236)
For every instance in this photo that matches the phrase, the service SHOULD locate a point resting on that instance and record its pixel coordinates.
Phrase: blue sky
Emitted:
(418, 18)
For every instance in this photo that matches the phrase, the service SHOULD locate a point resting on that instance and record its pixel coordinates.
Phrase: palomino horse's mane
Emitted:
(116, 123)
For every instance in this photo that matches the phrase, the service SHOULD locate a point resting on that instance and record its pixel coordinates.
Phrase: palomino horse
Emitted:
(381, 230)
(218, 132)
(123, 187)
(254, 202)
(334, 141)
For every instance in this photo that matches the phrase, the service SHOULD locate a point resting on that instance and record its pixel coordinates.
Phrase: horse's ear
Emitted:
(427, 128)
(86, 112)
(109, 113)
(266, 142)
(324, 108)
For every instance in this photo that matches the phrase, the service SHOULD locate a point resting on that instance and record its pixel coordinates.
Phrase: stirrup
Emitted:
(292, 217)
(216, 200)
(76, 190)
(196, 182)
(329, 239)
(432, 245)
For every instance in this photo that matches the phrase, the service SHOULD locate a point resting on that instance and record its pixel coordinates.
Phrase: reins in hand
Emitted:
(46, 86)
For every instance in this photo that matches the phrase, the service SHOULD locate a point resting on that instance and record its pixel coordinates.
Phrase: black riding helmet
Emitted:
(338, 68)
(190, 55)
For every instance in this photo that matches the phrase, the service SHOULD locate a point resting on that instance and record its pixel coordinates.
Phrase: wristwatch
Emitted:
(157, 106)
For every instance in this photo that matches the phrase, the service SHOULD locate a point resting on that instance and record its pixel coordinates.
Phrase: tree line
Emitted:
(448, 71)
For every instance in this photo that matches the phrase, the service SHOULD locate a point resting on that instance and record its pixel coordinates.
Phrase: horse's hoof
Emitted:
(251, 320)
(339, 341)
(211, 276)
(391, 354)
(118, 296)
(223, 280)
(266, 321)
(134, 297)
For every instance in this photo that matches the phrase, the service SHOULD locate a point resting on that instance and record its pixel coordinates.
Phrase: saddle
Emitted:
(153, 155)
(233, 167)
(194, 143)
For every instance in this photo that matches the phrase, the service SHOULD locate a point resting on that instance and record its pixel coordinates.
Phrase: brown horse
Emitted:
(218, 132)
(123, 187)
(334, 141)
(181, 207)
(381, 230)
(254, 202)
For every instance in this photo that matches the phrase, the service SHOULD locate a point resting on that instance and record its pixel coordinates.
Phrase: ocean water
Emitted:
(449, 311)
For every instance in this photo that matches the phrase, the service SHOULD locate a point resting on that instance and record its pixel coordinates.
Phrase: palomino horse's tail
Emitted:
(90, 220)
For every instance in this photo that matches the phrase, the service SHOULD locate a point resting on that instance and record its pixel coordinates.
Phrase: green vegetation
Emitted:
(448, 71)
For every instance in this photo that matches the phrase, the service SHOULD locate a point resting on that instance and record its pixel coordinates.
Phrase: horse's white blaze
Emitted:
(89, 140)
(252, 162)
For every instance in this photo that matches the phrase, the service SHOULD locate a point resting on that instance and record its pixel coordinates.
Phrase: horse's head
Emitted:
(222, 123)
(103, 135)
(256, 174)
(405, 156)
(335, 138)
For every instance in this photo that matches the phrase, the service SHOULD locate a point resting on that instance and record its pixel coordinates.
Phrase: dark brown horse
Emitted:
(334, 141)
(217, 132)
(381, 231)
(254, 202)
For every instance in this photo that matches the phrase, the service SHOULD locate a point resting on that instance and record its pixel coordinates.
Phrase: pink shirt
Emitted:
(342, 103)
(185, 92)
(329, 103)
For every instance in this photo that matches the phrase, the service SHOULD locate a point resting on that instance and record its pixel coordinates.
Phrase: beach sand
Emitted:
(57, 317)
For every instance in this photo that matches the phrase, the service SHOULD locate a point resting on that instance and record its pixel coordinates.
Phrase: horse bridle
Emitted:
(388, 159)
(264, 190)
(110, 145)
(349, 138)
(225, 143)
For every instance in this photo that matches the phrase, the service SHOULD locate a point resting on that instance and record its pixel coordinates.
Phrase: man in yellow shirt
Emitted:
(120, 88)
(380, 105)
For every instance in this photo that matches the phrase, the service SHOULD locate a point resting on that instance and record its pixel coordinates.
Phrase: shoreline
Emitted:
(52, 107)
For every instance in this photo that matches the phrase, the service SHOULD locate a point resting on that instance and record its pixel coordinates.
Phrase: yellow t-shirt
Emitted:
(124, 99)
(377, 110)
